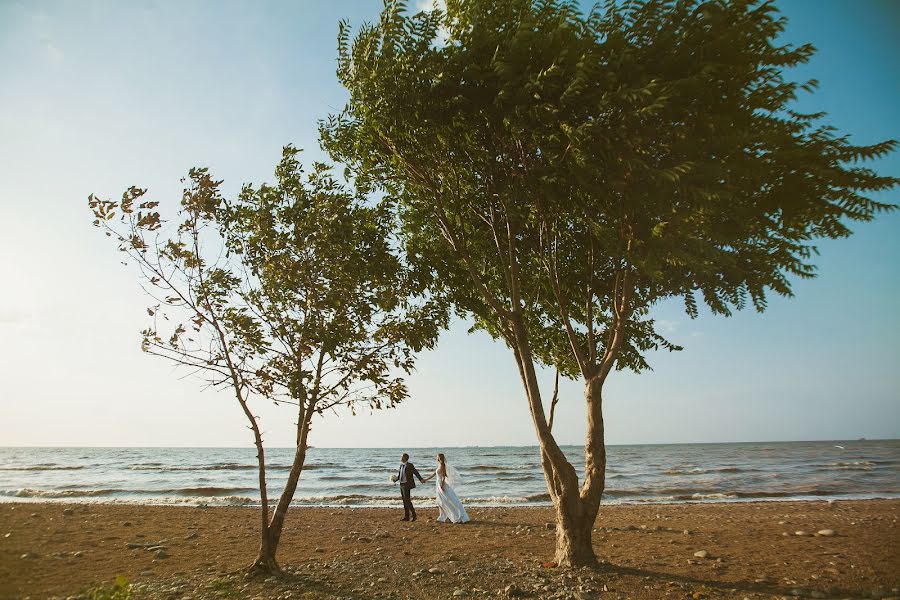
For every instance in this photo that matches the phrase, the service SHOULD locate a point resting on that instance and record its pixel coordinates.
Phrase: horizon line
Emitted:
(78, 447)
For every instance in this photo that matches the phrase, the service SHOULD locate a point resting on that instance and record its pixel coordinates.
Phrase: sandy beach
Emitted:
(753, 550)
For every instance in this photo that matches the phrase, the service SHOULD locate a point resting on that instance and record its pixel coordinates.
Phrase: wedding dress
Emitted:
(451, 508)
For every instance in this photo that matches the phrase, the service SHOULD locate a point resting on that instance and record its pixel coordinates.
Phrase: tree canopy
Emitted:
(642, 145)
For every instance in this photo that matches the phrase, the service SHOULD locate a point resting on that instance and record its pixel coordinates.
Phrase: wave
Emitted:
(42, 468)
(859, 465)
(82, 493)
(34, 493)
(701, 471)
(500, 468)
(209, 491)
(222, 467)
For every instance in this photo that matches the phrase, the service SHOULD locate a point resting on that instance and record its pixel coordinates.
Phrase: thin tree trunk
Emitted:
(266, 562)
(290, 487)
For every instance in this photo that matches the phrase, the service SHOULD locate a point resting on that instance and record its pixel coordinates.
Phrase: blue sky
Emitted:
(99, 95)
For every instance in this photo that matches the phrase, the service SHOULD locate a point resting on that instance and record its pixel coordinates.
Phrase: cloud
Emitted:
(10, 316)
(429, 5)
(667, 326)
(53, 54)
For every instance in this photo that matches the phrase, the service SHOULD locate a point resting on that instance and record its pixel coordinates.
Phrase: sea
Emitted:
(491, 476)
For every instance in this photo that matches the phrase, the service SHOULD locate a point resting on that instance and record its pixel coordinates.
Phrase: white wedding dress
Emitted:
(449, 504)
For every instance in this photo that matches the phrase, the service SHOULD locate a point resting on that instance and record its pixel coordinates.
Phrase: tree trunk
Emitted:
(284, 502)
(576, 507)
(574, 526)
(265, 562)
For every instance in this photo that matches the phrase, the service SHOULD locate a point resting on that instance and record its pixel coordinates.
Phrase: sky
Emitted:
(99, 95)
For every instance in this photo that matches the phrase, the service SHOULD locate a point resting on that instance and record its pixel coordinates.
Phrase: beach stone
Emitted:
(78, 554)
(68, 512)
(801, 533)
(460, 593)
(146, 573)
(701, 554)
(512, 591)
(550, 525)
(161, 554)
(126, 523)
(191, 535)
(826, 532)
(28, 556)
(434, 571)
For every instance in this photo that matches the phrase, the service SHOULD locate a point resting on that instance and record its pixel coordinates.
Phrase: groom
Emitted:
(406, 476)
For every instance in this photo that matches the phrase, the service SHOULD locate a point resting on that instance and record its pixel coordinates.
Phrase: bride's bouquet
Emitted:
(395, 478)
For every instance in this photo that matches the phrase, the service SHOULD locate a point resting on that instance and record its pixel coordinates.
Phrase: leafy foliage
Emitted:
(292, 290)
(579, 168)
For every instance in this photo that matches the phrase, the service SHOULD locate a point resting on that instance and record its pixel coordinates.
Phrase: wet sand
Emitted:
(52, 550)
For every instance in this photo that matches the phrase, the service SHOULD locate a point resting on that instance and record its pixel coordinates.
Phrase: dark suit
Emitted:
(406, 486)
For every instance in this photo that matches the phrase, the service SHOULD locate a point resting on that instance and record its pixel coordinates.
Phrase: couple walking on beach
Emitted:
(450, 507)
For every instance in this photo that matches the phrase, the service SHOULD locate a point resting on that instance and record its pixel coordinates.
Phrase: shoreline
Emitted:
(55, 549)
(428, 502)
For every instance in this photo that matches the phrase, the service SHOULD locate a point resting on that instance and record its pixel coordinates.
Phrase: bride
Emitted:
(448, 502)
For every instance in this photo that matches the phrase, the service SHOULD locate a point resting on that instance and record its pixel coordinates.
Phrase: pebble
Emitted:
(550, 525)
(29, 556)
(701, 554)
(68, 512)
(826, 532)
(161, 554)
(801, 533)
(434, 571)
(190, 536)
(460, 593)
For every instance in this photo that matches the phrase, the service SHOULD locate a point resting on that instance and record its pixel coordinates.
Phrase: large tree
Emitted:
(291, 292)
(560, 173)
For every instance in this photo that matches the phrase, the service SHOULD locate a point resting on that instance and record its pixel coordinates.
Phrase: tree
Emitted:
(559, 173)
(291, 292)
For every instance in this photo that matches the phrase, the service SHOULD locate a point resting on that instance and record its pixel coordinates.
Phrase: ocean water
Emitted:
(492, 476)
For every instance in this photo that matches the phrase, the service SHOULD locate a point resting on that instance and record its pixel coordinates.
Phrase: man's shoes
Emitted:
(413, 518)
(406, 519)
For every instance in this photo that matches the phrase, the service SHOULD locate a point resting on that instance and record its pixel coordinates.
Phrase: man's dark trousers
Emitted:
(408, 508)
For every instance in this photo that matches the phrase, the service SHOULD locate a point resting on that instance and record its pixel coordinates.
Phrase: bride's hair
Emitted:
(443, 462)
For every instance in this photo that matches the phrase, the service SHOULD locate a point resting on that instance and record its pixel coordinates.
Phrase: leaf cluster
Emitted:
(578, 168)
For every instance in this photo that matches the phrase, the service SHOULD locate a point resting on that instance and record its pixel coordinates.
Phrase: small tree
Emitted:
(560, 173)
(291, 292)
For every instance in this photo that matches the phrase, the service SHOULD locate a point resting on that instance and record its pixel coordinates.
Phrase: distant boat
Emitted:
(841, 447)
